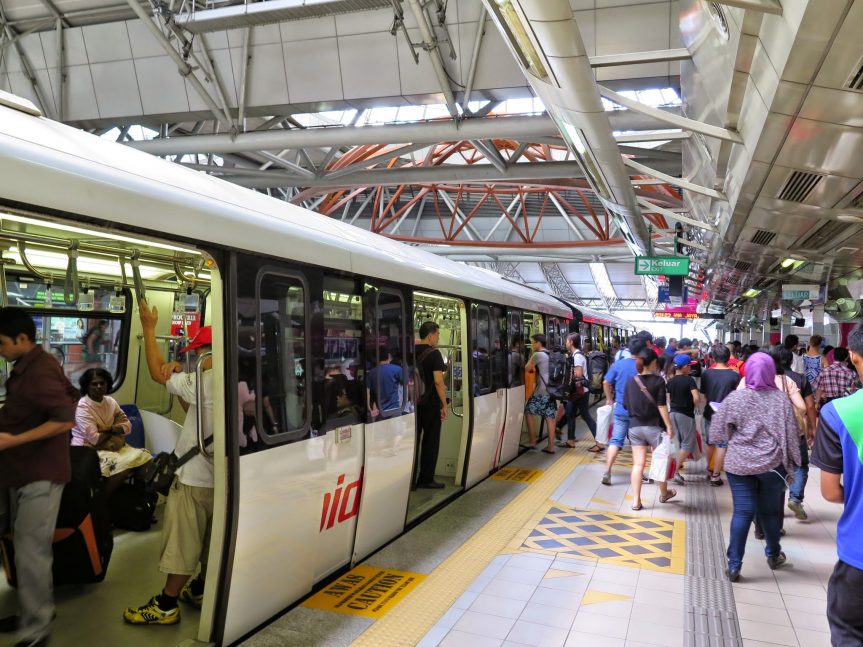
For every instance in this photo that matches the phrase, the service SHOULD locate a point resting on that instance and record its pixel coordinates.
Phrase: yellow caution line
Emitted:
(412, 618)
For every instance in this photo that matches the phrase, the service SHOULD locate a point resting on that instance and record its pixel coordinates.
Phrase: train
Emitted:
(303, 307)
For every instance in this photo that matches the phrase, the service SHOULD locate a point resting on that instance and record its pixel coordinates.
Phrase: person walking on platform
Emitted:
(34, 466)
(432, 407)
(189, 506)
(812, 358)
(645, 399)
(763, 439)
(835, 381)
(716, 383)
(577, 374)
(540, 402)
(614, 386)
(838, 452)
(683, 396)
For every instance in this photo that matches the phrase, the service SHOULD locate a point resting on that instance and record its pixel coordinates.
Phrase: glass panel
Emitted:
(480, 351)
(499, 370)
(515, 356)
(343, 391)
(387, 394)
(282, 326)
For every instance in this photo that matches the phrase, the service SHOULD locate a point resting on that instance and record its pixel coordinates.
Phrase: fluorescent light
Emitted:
(603, 282)
(751, 293)
(86, 264)
(91, 232)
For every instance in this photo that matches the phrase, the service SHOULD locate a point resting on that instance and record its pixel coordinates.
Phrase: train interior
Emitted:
(67, 278)
(449, 314)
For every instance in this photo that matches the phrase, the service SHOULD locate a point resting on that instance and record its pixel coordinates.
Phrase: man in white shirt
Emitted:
(189, 507)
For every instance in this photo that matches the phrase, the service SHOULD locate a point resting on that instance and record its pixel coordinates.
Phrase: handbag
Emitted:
(158, 475)
(112, 443)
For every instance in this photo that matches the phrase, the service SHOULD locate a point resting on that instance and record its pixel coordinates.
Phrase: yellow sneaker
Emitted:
(151, 614)
(189, 597)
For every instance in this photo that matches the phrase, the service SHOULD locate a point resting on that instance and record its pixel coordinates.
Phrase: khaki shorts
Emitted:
(186, 534)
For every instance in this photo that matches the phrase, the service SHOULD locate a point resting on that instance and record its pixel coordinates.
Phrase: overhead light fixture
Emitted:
(751, 293)
(791, 263)
(86, 264)
(519, 39)
(92, 232)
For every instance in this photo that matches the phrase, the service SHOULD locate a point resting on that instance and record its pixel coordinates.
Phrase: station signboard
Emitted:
(662, 265)
(684, 316)
(794, 292)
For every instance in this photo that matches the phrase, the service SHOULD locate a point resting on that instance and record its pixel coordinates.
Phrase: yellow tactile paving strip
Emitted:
(516, 474)
(412, 618)
(630, 540)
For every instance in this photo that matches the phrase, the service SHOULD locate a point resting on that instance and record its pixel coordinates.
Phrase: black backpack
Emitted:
(557, 367)
(421, 390)
(597, 366)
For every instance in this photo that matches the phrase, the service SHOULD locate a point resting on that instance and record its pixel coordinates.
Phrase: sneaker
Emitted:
(646, 479)
(678, 478)
(732, 575)
(189, 597)
(759, 534)
(797, 508)
(606, 478)
(776, 562)
(151, 614)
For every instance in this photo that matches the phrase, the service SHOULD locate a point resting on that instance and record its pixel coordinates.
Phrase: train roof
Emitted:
(53, 166)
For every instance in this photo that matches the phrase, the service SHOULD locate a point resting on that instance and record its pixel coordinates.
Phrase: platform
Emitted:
(543, 554)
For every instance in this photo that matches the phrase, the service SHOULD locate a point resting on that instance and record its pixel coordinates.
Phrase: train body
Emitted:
(312, 473)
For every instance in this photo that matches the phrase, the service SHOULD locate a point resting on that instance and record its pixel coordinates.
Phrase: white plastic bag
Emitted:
(661, 460)
(604, 422)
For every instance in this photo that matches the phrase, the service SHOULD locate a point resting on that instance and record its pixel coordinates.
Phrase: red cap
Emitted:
(203, 338)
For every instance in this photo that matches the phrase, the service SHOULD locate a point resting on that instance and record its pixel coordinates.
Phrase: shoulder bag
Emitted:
(799, 416)
(158, 474)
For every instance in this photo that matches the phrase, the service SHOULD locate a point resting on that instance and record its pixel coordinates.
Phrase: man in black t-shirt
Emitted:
(716, 383)
(431, 407)
(683, 395)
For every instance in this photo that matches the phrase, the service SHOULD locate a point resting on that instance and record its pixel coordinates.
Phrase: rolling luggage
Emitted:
(82, 537)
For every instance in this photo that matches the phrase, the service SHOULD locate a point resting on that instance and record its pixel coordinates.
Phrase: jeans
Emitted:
(619, 430)
(573, 409)
(795, 492)
(761, 493)
(845, 605)
(35, 508)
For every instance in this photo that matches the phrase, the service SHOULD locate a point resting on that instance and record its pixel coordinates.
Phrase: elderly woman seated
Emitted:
(101, 423)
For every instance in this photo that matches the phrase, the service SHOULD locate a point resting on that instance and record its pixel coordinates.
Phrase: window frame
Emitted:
(300, 433)
(403, 338)
(475, 318)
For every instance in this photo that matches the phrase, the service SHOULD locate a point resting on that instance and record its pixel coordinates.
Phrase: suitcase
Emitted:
(82, 537)
(131, 507)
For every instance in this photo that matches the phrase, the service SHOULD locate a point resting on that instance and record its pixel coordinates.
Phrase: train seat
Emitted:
(136, 437)
(161, 434)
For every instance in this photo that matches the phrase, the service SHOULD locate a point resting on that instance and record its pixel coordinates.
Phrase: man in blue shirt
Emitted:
(838, 452)
(384, 389)
(614, 385)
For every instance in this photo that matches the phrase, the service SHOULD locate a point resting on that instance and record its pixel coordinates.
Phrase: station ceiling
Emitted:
(424, 126)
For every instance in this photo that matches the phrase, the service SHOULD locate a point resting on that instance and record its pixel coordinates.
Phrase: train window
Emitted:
(343, 392)
(482, 329)
(79, 339)
(498, 350)
(386, 387)
(282, 349)
(515, 356)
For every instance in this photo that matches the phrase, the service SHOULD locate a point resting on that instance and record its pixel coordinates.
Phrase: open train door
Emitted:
(515, 397)
(390, 434)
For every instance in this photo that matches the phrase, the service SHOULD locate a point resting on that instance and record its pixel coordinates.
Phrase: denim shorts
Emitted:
(707, 436)
(619, 430)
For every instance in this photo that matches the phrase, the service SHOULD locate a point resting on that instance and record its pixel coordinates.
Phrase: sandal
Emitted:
(596, 449)
(571, 444)
(671, 494)
(637, 506)
(527, 446)
(548, 451)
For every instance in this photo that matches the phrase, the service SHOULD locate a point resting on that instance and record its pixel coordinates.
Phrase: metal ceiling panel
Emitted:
(319, 77)
(834, 106)
(116, 86)
(151, 71)
(108, 42)
(268, 84)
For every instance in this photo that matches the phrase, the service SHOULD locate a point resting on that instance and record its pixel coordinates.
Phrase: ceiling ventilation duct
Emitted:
(855, 80)
(829, 235)
(743, 266)
(763, 237)
(799, 185)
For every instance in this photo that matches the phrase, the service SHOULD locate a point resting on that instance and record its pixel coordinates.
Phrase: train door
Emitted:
(390, 433)
(532, 324)
(488, 374)
(298, 480)
(515, 395)
(449, 314)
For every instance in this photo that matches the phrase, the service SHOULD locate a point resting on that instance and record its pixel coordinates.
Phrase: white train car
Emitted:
(308, 481)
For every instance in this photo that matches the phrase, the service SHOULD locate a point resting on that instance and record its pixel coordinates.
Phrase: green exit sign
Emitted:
(665, 265)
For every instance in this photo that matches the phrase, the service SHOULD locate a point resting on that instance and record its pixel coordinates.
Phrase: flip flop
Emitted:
(548, 451)
(596, 449)
(637, 507)
(671, 494)
(527, 446)
(571, 444)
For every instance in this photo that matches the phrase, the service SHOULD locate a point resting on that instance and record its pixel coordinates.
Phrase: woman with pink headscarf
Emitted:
(763, 453)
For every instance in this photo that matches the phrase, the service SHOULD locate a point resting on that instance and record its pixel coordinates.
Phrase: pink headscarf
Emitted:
(760, 372)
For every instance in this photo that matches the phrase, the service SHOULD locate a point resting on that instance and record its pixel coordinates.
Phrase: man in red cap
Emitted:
(189, 507)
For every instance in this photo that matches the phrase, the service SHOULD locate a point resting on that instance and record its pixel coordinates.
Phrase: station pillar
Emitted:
(818, 320)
